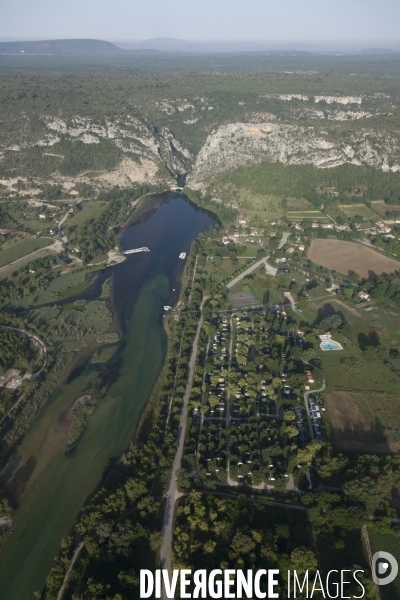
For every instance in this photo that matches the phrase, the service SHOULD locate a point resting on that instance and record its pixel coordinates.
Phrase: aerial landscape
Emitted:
(199, 302)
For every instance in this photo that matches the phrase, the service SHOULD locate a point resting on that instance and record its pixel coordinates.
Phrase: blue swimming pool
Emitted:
(328, 346)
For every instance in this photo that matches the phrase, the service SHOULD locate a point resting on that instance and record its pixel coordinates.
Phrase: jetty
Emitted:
(134, 250)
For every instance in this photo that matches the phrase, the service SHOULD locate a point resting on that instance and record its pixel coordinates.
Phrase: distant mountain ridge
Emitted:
(80, 47)
(178, 45)
(69, 47)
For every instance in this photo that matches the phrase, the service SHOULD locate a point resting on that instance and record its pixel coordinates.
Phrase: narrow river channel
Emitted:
(51, 486)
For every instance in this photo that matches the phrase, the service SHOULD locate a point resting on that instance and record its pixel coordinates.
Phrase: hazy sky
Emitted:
(201, 19)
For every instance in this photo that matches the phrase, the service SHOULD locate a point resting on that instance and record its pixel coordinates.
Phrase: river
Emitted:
(51, 486)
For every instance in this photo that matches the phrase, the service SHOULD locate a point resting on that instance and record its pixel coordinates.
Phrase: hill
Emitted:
(69, 47)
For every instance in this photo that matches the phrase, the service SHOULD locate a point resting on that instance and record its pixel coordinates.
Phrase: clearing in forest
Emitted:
(344, 257)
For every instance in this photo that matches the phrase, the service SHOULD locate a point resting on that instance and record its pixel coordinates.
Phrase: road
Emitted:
(306, 394)
(289, 296)
(56, 247)
(65, 217)
(173, 494)
(270, 270)
(32, 336)
(37, 339)
(259, 501)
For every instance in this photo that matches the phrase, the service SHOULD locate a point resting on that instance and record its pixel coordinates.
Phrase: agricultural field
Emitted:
(258, 208)
(262, 286)
(299, 215)
(351, 210)
(382, 208)
(363, 422)
(17, 248)
(222, 268)
(388, 542)
(85, 211)
(349, 256)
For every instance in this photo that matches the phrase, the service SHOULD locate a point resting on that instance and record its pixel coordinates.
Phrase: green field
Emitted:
(381, 207)
(387, 542)
(89, 210)
(17, 248)
(299, 215)
(258, 208)
(351, 210)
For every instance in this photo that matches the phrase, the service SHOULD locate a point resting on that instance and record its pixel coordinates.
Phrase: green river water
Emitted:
(52, 486)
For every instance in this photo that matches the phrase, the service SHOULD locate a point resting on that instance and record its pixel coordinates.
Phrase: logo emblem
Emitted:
(384, 568)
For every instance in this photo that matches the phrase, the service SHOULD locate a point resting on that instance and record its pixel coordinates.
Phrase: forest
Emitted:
(15, 350)
(344, 184)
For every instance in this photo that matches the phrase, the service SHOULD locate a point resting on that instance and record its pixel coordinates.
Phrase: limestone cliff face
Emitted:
(325, 131)
(132, 135)
(236, 144)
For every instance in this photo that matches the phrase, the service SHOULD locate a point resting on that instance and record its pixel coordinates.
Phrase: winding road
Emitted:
(37, 339)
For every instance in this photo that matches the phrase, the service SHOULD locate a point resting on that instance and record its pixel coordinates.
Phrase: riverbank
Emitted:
(140, 477)
(51, 485)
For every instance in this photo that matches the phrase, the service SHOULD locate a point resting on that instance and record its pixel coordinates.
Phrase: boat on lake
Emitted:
(182, 255)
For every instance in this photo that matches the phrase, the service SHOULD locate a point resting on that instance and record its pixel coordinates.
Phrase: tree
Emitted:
(303, 560)
(364, 491)
(289, 415)
(291, 431)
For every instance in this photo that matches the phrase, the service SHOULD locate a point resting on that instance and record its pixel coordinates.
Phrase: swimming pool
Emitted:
(327, 343)
(329, 346)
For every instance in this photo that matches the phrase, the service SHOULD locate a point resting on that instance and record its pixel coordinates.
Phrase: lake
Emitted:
(51, 486)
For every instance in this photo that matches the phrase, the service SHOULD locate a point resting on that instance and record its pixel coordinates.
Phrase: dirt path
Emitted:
(71, 566)
(369, 553)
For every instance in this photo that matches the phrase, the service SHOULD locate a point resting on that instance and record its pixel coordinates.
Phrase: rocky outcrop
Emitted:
(240, 143)
(132, 135)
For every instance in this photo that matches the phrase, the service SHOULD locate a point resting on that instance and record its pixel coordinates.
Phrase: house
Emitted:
(225, 240)
(42, 216)
(278, 308)
(297, 226)
(302, 247)
(327, 225)
(363, 295)
(314, 225)
(272, 233)
(309, 376)
(236, 234)
(290, 250)
(334, 288)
